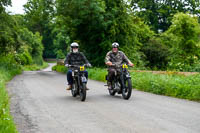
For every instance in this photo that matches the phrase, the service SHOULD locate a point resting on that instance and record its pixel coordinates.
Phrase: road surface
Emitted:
(40, 104)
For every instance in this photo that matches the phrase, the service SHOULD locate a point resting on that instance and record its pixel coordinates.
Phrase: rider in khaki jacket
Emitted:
(117, 58)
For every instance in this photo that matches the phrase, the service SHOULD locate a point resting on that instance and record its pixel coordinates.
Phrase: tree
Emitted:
(184, 41)
(39, 16)
(96, 24)
(158, 13)
(4, 3)
(84, 21)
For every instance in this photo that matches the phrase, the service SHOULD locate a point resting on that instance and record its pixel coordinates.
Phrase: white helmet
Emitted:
(74, 45)
(115, 45)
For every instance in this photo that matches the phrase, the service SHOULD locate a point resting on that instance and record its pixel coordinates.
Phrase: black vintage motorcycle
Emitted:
(79, 81)
(121, 82)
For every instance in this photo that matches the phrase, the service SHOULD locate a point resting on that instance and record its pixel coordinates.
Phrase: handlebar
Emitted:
(77, 66)
(119, 66)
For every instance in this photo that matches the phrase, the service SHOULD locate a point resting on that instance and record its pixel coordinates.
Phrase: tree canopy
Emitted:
(154, 34)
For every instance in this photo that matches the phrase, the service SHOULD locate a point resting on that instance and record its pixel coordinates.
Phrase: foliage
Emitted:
(4, 3)
(39, 18)
(179, 86)
(157, 54)
(24, 58)
(100, 76)
(59, 68)
(184, 42)
(35, 67)
(61, 41)
(96, 24)
(8, 34)
(159, 13)
(8, 68)
(32, 44)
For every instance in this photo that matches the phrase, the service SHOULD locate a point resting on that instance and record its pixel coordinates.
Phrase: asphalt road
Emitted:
(40, 104)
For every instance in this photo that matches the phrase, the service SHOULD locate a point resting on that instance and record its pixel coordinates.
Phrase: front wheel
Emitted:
(73, 90)
(83, 92)
(112, 91)
(127, 90)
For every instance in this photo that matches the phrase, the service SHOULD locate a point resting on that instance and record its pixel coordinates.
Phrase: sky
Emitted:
(17, 6)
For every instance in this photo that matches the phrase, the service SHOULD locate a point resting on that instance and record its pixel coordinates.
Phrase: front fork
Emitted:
(124, 76)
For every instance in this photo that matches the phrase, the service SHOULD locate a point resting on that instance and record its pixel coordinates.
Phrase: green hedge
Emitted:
(170, 84)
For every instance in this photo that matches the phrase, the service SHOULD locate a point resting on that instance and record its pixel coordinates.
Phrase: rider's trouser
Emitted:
(111, 74)
(70, 79)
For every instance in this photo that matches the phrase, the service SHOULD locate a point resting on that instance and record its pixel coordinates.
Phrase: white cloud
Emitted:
(17, 7)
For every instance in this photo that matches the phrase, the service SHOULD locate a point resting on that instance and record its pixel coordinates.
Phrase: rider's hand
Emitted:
(89, 65)
(109, 63)
(131, 64)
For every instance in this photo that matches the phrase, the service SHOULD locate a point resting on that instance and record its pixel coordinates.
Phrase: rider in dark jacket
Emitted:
(75, 58)
(117, 58)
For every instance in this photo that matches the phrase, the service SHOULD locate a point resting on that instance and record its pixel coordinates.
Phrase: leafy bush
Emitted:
(24, 58)
(184, 43)
(60, 54)
(38, 60)
(156, 53)
(59, 68)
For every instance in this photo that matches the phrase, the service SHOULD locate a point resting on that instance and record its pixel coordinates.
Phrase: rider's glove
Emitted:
(89, 65)
(67, 65)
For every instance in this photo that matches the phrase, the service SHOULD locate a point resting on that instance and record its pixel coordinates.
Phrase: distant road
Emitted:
(40, 104)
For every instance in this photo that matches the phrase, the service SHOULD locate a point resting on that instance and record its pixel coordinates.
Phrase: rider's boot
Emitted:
(86, 87)
(69, 87)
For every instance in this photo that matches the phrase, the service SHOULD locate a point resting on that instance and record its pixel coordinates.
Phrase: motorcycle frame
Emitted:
(78, 77)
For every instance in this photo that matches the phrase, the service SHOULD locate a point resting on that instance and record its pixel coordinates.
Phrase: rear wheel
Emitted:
(83, 92)
(127, 90)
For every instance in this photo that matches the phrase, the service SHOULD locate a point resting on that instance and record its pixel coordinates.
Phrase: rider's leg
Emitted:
(86, 75)
(69, 79)
(111, 73)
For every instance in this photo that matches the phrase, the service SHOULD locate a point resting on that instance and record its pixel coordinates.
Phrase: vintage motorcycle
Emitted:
(79, 81)
(121, 82)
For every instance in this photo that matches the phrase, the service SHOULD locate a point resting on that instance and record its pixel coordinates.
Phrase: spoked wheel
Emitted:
(127, 90)
(82, 92)
(74, 90)
(112, 91)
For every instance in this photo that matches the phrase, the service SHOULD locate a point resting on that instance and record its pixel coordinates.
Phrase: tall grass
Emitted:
(8, 68)
(97, 74)
(180, 86)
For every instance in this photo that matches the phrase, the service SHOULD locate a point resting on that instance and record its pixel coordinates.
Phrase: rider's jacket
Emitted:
(117, 58)
(76, 59)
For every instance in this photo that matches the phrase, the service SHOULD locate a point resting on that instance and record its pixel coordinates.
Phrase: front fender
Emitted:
(83, 79)
(128, 76)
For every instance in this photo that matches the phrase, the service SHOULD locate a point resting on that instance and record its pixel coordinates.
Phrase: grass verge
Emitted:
(8, 69)
(7, 124)
(169, 83)
(35, 67)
